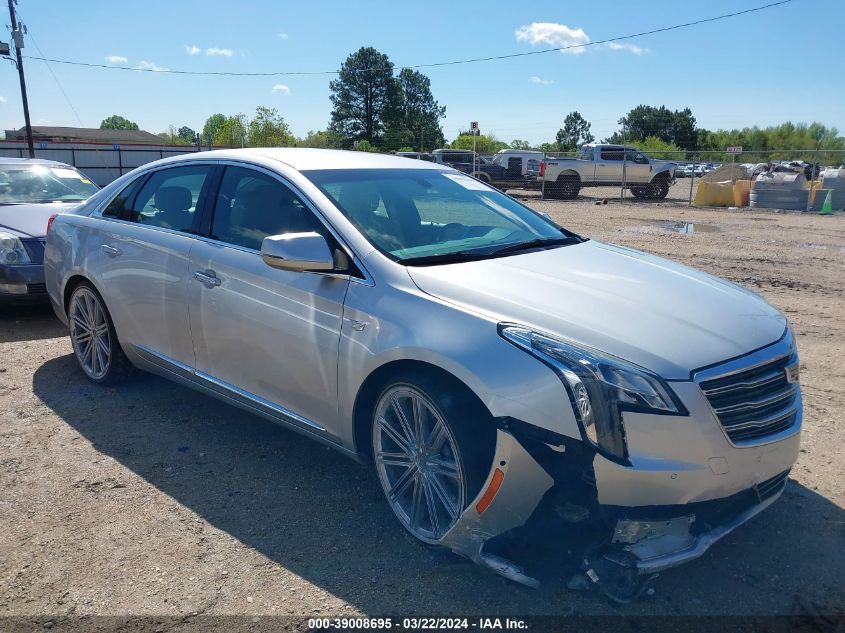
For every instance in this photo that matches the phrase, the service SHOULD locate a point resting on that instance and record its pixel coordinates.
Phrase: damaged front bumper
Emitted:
(525, 496)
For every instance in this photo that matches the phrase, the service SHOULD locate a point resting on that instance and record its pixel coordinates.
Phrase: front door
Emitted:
(272, 335)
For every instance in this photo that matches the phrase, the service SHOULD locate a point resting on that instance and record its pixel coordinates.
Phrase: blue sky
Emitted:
(764, 68)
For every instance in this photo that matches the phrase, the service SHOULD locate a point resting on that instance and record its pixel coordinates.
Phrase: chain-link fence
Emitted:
(101, 163)
(786, 179)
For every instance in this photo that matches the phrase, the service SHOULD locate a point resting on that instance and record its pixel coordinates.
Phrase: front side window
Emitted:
(31, 183)
(252, 205)
(413, 213)
(169, 198)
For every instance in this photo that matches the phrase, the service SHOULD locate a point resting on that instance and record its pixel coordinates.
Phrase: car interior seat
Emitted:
(174, 207)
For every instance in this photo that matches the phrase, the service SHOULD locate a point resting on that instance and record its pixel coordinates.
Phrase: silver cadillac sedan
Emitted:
(504, 375)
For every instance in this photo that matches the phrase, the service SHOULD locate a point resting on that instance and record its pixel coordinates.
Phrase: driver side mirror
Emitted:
(297, 251)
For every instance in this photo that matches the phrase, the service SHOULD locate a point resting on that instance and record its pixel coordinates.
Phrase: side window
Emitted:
(119, 207)
(612, 153)
(252, 205)
(169, 198)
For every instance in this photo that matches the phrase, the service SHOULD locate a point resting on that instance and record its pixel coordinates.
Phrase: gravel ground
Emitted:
(153, 499)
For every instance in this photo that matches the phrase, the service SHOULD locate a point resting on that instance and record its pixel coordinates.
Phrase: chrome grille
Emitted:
(755, 403)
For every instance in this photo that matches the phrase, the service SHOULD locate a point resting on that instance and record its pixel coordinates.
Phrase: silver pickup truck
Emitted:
(607, 165)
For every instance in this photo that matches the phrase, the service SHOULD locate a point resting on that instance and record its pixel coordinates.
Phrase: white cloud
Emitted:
(219, 52)
(284, 36)
(2, 99)
(553, 35)
(633, 48)
(281, 89)
(116, 59)
(192, 50)
(150, 66)
(542, 82)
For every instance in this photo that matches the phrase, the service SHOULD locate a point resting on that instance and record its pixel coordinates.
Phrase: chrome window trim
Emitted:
(368, 279)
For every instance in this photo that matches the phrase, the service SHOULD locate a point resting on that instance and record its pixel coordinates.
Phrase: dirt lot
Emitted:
(153, 499)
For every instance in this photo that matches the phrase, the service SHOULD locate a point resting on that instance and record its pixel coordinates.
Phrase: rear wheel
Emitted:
(93, 337)
(566, 187)
(432, 447)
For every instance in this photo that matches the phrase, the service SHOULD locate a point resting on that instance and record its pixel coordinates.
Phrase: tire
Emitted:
(566, 187)
(442, 474)
(657, 190)
(638, 192)
(93, 337)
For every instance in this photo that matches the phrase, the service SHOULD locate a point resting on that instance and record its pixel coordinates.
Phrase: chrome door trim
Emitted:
(260, 403)
(241, 397)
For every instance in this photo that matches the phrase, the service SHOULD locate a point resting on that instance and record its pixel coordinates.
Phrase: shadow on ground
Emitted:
(29, 323)
(322, 516)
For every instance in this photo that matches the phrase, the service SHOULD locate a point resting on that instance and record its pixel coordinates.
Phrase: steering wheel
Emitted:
(452, 231)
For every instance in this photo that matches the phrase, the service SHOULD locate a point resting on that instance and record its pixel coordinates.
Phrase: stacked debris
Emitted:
(727, 173)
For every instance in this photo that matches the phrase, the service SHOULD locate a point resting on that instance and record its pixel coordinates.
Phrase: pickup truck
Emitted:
(607, 165)
(503, 174)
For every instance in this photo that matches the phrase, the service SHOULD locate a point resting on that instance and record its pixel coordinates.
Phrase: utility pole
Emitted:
(17, 38)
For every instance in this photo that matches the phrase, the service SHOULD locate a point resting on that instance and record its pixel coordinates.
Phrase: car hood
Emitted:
(662, 165)
(663, 316)
(30, 220)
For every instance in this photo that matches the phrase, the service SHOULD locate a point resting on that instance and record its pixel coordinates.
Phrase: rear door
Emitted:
(270, 335)
(147, 234)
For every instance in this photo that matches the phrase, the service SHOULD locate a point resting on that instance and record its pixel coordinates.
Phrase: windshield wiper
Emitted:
(536, 243)
(445, 258)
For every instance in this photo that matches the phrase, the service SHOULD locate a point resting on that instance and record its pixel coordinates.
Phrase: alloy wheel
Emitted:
(89, 333)
(418, 463)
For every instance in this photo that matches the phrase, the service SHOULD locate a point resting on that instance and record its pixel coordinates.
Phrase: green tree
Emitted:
(413, 117)
(324, 139)
(233, 131)
(186, 135)
(484, 144)
(677, 127)
(268, 129)
(117, 122)
(520, 144)
(362, 96)
(658, 148)
(212, 126)
(574, 133)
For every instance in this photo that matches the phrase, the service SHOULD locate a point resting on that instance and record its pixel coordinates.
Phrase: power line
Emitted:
(427, 65)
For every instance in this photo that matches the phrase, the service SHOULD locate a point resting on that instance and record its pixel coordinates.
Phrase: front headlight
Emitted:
(600, 386)
(12, 250)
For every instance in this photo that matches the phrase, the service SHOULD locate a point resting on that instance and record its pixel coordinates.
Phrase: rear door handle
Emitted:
(111, 251)
(207, 278)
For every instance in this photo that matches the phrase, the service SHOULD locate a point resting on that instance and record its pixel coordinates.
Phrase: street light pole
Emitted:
(17, 38)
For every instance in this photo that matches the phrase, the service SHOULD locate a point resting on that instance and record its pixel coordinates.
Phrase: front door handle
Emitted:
(111, 251)
(207, 278)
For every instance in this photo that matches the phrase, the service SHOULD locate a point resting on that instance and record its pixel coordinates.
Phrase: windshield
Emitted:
(414, 213)
(29, 184)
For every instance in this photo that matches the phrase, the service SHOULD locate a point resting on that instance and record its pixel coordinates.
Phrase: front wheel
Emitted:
(432, 449)
(658, 190)
(93, 337)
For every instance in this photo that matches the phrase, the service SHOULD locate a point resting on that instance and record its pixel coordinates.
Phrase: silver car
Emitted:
(500, 372)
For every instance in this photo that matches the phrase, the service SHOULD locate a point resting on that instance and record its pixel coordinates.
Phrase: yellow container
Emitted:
(742, 193)
(714, 194)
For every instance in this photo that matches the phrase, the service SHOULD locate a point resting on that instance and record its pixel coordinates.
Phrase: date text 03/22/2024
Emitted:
(418, 623)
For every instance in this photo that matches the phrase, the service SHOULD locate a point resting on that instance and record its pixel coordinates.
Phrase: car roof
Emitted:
(8, 160)
(305, 159)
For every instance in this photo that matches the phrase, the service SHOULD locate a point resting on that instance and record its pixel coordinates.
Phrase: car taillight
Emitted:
(542, 169)
(50, 221)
